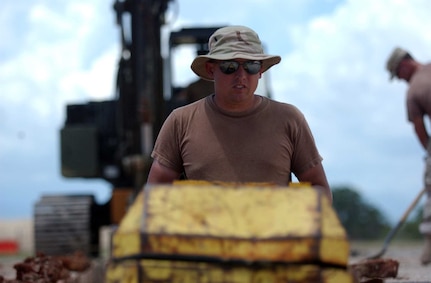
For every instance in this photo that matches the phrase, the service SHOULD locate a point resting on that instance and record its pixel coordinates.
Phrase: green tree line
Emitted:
(363, 221)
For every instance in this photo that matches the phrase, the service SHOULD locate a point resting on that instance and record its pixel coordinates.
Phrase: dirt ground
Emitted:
(6, 266)
(406, 253)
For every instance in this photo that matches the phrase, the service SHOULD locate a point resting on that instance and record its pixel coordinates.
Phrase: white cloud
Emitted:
(337, 77)
(97, 81)
(43, 65)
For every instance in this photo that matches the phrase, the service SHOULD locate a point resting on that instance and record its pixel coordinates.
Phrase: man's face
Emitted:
(235, 80)
(404, 70)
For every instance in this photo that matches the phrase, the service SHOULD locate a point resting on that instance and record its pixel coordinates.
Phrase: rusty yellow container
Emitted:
(201, 232)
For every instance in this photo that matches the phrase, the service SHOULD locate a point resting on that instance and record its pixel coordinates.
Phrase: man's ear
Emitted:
(209, 67)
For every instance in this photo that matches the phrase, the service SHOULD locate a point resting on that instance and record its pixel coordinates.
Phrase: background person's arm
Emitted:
(421, 131)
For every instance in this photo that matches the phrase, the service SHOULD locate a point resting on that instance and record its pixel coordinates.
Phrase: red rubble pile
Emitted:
(48, 269)
(374, 270)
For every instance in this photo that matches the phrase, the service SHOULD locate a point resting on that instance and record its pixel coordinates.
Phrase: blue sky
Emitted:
(333, 54)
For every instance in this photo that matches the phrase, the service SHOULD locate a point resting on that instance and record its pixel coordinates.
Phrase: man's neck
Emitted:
(237, 106)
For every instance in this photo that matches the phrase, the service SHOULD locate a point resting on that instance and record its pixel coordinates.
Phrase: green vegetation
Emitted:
(363, 221)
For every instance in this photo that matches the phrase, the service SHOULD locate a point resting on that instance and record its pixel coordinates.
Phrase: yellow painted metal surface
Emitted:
(253, 223)
(127, 239)
(293, 230)
(156, 271)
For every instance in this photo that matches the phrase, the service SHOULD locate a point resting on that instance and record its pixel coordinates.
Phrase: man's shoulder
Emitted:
(426, 67)
(282, 106)
(189, 108)
(421, 78)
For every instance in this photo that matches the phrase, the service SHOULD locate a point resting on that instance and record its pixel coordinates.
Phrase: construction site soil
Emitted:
(406, 253)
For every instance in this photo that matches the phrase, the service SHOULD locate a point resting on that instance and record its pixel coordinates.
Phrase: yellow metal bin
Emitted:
(207, 232)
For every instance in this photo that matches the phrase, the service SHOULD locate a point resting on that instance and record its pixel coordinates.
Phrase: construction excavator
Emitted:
(199, 232)
(112, 139)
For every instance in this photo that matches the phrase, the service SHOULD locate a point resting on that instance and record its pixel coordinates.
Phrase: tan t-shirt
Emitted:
(262, 145)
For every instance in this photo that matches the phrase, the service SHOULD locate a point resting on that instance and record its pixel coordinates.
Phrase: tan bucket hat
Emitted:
(394, 60)
(233, 42)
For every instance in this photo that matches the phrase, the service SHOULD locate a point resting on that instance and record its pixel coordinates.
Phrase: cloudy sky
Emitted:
(333, 55)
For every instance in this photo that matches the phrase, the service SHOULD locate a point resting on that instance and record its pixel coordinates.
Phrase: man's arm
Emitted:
(161, 174)
(317, 177)
(421, 131)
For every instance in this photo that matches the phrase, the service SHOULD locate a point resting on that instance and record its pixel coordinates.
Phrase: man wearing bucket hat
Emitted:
(235, 135)
(402, 65)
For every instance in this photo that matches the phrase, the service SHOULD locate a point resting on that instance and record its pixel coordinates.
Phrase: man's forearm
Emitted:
(421, 132)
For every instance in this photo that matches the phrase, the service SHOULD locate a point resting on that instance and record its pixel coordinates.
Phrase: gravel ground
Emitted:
(406, 253)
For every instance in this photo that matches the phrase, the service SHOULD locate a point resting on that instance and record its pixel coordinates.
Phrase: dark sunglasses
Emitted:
(230, 67)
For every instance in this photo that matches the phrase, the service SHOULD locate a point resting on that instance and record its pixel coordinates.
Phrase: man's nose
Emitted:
(241, 71)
